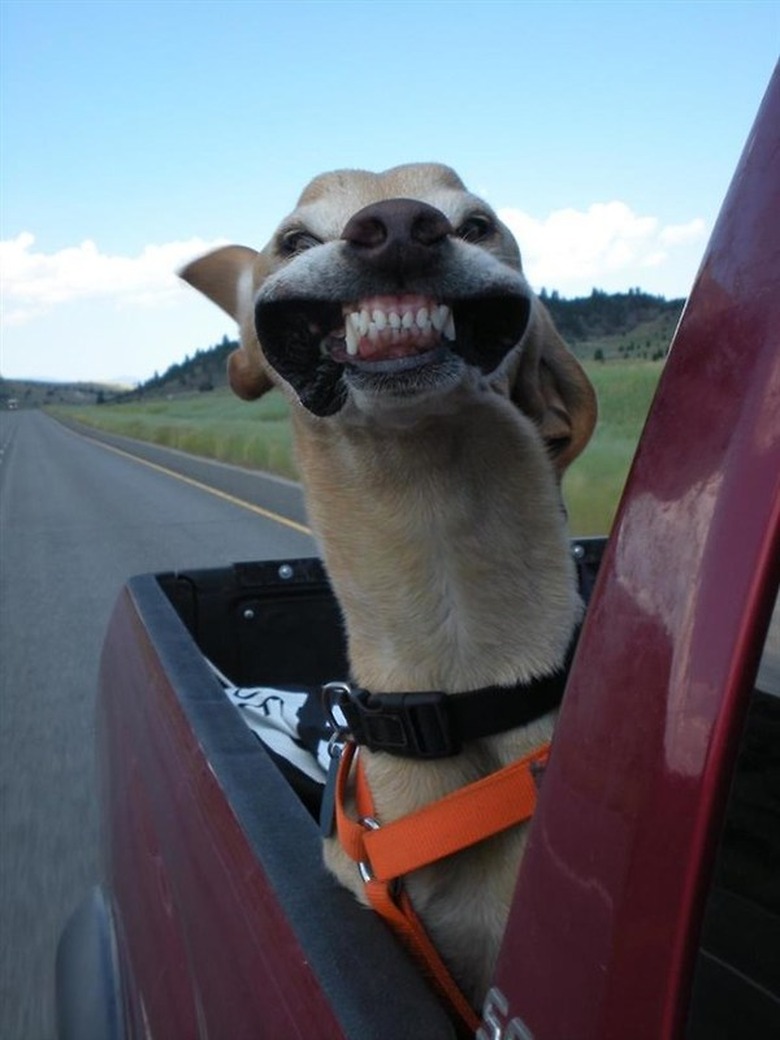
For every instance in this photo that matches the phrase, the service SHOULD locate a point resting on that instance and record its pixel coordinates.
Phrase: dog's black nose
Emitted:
(397, 236)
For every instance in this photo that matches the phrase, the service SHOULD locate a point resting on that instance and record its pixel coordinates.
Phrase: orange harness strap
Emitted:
(457, 821)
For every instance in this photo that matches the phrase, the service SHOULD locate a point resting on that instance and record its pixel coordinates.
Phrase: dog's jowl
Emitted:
(434, 409)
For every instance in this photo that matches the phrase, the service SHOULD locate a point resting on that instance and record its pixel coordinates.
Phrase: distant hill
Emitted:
(609, 326)
(31, 393)
(599, 327)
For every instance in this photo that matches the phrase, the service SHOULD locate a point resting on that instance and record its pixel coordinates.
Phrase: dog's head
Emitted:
(394, 286)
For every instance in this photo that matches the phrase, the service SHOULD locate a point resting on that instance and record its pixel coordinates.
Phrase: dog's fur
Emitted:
(432, 483)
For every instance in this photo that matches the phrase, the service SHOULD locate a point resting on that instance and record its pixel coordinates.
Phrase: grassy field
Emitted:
(593, 484)
(220, 426)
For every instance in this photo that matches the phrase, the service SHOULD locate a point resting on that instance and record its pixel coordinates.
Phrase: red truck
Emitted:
(648, 903)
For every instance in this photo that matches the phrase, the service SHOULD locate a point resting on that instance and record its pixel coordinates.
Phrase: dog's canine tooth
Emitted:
(449, 328)
(439, 316)
(350, 335)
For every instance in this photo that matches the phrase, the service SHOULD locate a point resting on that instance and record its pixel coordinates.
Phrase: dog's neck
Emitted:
(446, 544)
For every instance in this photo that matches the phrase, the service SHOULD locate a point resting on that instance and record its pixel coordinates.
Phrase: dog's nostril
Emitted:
(430, 227)
(367, 231)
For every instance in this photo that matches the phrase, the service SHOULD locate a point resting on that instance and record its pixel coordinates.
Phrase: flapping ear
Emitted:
(551, 387)
(230, 278)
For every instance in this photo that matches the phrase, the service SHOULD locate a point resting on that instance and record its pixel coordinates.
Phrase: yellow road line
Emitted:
(266, 513)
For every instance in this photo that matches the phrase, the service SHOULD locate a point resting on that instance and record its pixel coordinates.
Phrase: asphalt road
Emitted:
(77, 518)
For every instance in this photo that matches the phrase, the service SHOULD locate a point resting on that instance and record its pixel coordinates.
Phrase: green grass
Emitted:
(216, 425)
(257, 435)
(593, 484)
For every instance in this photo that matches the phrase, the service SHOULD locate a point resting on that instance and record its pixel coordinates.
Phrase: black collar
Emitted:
(435, 724)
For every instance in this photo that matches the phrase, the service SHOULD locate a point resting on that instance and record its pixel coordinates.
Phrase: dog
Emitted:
(434, 409)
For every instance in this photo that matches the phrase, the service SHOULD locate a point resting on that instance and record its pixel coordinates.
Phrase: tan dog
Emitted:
(434, 409)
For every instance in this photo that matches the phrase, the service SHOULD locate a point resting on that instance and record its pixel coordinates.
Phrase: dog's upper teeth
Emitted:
(393, 319)
(448, 330)
(439, 316)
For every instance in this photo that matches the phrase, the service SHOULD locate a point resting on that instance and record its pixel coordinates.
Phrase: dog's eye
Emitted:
(296, 240)
(476, 228)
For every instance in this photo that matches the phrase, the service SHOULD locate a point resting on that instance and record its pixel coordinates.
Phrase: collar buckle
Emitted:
(417, 725)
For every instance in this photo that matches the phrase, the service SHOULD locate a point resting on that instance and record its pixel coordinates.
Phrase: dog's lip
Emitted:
(400, 363)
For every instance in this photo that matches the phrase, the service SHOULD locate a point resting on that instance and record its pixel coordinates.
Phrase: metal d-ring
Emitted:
(366, 873)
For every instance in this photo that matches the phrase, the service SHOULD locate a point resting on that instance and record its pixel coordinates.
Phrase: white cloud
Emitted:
(676, 234)
(34, 282)
(606, 246)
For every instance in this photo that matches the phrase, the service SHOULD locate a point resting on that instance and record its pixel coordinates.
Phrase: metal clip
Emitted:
(334, 694)
(366, 873)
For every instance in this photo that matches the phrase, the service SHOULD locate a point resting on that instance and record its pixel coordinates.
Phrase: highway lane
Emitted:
(76, 519)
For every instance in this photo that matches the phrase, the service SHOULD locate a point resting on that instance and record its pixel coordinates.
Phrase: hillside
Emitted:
(30, 393)
(609, 326)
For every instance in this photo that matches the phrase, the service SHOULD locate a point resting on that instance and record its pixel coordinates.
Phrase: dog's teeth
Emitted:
(350, 336)
(439, 316)
(449, 328)
(393, 326)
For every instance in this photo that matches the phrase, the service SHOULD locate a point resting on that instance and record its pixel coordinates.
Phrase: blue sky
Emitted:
(136, 135)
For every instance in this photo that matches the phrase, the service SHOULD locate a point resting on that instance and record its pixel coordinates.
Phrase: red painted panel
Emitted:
(211, 953)
(607, 912)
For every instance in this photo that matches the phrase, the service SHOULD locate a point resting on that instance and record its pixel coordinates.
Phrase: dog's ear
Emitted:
(230, 278)
(551, 387)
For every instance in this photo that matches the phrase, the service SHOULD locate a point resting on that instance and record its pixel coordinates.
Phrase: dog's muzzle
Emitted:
(405, 307)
